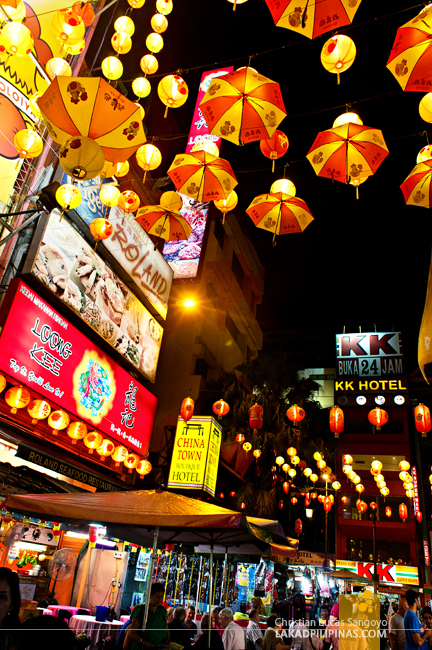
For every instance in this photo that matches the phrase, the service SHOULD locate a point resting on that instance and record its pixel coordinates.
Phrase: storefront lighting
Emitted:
(73, 535)
(189, 303)
(29, 546)
(309, 513)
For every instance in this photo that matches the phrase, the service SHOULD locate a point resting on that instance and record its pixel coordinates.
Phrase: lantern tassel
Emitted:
(357, 192)
(234, 5)
(166, 112)
(145, 176)
(338, 79)
(273, 166)
(223, 217)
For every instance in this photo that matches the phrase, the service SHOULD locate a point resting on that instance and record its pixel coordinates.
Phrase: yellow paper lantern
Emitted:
(314, 478)
(164, 7)
(280, 460)
(336, 485)
(360, 488)
(122, 168)
(283, 185)
(236, 2)
(247, 447)
(128, 201)
(228, 204)
(345, 118)
(17, 397)
(58, 420)
(346, 469)
(285, 467)
(378, 478)
(171, 200)
(172, 91)
(404, 476)
(144, 467)
(82, 158)
(93, 440)
(28, 143)
(76, 431)
(125, 24)
(109, 195)
(136, 4)
(112, 68)
(382, 484)
(338, 54)
(148, 157)
(292, 472)
(2, 383)
(149, 64)
(17, 13)
(385, 491)
(154, 42)
(410, 494)
(68, 196)
(131, 461)
(317, 455)
(159, 23)
(38, 409)
(141, 87)
(16, 39)
(408, 486)
(206, 145)
(425, 108)
(76, 48)
(106, 449)
(376, 465)
(121, 42)
(141, 110)
(356, 479)
(68, 26)
(57, 67)
(321, 464)
(307, 472)
(34, 105)
(120, 454)
(292, 451)
(295, 460)
(101, 229)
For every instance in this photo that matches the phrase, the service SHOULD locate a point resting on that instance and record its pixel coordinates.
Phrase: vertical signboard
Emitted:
(369, 354)
(416, 502)
(184, 256)
(195, 457)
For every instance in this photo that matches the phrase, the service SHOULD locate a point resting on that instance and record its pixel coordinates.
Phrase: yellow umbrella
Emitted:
(91, 107)
(279, 213)
(164, 222)
(202, 176)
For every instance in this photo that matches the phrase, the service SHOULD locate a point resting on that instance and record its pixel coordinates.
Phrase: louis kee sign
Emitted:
(369, 354)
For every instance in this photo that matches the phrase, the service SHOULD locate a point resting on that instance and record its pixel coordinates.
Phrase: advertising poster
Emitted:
(72, 270)
(19, 79)
(184, 256)
(43, 351)
(195, 455)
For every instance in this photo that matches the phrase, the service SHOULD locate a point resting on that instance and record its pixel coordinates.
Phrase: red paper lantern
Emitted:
(378, 417)
(242, 506)
(221, 495)
(232, 494)
(295, 413)
(419, 516)
(275, 147)
(313, 495)
(280, 504)
(302, 464)
(403, 511)
(285, 487)
(256, 417)
(373, 505)
(327, 505)
(388, 511)
(422, 418)
(240, 437)
(257, 453)
(294, 500)
(344, 499)
(336, 420)
(187, 408)
(220, 408)
(298, 526)
(307, 502)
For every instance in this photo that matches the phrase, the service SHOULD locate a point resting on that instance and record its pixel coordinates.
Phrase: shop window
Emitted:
(219, 233)
(201, 368)
(237, 270)
(231, 327)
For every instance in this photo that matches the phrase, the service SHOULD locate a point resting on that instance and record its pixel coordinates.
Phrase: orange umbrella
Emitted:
(312, 19)
(163, 222)
(91, 107)
(416, 188)
(202, 176)
(279, 213)
(350, 151)
(410, 59)
(243, 106)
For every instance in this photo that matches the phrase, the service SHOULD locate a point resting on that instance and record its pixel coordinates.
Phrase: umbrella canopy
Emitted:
(345, 574)
(202, 176)
(410, 59)
(312, 19)
(251, 548)
(167, 224)
(350, 151)
(416, 188)
(90, 106)
(243, 106)
(279, 213)
(133, 515)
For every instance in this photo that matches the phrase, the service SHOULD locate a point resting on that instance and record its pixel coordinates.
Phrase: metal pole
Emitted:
(424, 529)
(326, 532)
(224, 578)
(375, 575)
(210, 591)
(150, 575)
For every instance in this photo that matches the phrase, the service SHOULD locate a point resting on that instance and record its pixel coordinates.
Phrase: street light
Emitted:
(189, 303)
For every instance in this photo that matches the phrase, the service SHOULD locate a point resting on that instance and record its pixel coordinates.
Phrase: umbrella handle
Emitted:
(234, 5)
(166, 112)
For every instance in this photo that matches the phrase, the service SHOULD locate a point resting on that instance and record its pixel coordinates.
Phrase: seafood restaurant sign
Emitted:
(42, 350)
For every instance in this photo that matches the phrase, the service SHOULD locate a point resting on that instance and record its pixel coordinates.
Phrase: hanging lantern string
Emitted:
(425, 134)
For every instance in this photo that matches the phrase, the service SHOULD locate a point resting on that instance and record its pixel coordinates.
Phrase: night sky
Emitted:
(361, 262)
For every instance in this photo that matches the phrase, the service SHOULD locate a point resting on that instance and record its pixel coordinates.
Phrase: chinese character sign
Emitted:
(45, 352)
(195, 457)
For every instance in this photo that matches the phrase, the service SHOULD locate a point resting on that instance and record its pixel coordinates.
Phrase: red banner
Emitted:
(45, 352)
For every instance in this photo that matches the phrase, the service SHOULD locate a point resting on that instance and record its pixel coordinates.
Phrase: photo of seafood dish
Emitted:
(51, 268)
(108, 330)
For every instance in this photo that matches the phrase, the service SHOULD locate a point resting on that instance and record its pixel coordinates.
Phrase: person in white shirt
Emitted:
(233, 637)
(254, 636)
